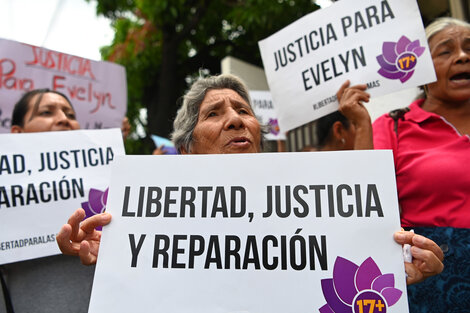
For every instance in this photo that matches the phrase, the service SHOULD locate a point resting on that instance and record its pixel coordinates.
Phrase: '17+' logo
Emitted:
(358, 289)
(398, 59)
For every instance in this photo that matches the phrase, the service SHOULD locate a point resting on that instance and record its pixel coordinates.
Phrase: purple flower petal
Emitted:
(418, 51)
(326, 309)
(388, 51)
(332, 298)
(343, 279)
(384, 281)
(402, 43)
(95, 200)
(391, 295)
(366, 273)
(87, 208)
(407, 76)
(96, 203)
(412, 45)
(104, 198)
(391, 75)
(385, 65)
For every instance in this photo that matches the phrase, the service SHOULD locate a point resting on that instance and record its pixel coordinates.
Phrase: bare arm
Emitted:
(351, 106)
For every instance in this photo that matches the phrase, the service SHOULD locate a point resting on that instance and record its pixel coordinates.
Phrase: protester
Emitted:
(350, 127)
(216, 117)
(431, 146)
(43, 110)
(37, 285)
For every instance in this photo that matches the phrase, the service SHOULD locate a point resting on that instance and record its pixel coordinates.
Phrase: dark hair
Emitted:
(22, 106)
(324, 127)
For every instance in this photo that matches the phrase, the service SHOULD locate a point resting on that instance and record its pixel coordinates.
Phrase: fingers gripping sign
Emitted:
(427, 257)
(79, 237)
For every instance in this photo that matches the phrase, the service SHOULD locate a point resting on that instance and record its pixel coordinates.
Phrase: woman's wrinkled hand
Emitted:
(82, 238)
(427, 256)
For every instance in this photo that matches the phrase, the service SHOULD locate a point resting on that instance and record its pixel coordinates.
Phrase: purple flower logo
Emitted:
(398, 59)
(274, 126)
(96, 202)
(358, 289)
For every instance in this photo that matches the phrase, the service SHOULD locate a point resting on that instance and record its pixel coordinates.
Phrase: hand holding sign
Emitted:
(45, 173)
(351, 106)
(82, 239)
(353, 40)
(427, 256)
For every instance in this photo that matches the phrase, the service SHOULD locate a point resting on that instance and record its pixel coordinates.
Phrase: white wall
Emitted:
(380, 105)
(252, 75)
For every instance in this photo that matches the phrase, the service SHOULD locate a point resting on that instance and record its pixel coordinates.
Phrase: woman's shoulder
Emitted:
(385, 121)
(385, 128)
(389, 120)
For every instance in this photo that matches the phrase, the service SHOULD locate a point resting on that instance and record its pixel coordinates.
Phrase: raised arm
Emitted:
(351, 106)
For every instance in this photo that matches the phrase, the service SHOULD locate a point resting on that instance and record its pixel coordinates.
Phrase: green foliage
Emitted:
(165, 44)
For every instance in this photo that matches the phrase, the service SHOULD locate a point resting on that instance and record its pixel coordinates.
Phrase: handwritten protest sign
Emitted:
(44, 178)
(226, 233)
(380, 43)
(263, 107)
(97, 90)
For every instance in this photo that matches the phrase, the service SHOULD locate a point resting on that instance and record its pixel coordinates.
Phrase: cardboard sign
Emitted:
(263, 107)
(97, 90)
(226, 233)
(44, 178)
(380, 43)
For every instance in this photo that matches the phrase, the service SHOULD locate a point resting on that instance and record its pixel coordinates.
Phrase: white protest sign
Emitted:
(380, 43)
(262, 104)
(44, 178)
(97, 90)
(226, 233)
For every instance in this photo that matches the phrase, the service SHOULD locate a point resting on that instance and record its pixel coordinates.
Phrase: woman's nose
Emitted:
(62, 118)
(233, 119)
(463, 56)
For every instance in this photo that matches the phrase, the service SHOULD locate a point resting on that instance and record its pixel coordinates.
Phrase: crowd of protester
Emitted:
(430, 142)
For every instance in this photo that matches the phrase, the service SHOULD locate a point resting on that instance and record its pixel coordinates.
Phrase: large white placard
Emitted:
(97, 90)
(380, 43)
(44, 178)
(195, 233)
(263, 106)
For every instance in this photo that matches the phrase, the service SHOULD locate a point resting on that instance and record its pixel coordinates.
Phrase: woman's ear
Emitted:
(16, 129)
(337, 130)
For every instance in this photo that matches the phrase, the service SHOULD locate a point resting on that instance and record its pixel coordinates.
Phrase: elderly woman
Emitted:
(216, 117)
(431, 146)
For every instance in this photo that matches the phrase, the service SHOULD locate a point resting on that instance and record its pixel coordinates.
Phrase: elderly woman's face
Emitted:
(450, 51)
(226, 124)
(53, 113)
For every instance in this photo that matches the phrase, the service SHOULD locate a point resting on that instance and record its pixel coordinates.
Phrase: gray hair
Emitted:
(187, 116)
(441, 24)
(432, 29)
